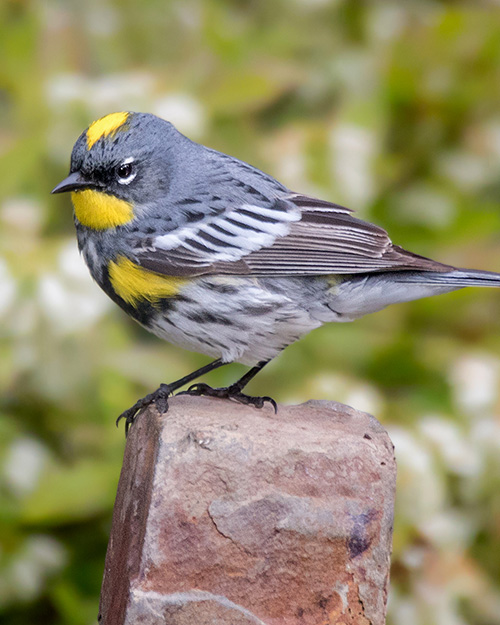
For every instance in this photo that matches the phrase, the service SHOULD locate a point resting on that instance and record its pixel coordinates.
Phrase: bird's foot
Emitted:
(230, 392)
(158, 397)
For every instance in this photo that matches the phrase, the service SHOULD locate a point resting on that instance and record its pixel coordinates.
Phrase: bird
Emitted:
(214, 255)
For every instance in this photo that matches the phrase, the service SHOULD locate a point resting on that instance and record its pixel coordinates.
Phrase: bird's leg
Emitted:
(162, 393)
(234, 391)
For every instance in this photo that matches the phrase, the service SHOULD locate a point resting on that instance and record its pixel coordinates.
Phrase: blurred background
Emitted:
(391, 108)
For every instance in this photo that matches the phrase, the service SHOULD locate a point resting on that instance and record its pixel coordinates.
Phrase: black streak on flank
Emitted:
(258, 310)
(207, 317)
(226, 289)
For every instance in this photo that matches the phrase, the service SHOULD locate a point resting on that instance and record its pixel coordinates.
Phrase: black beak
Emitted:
(74, 182)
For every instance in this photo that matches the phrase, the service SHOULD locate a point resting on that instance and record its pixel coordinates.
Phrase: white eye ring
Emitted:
(128, 173)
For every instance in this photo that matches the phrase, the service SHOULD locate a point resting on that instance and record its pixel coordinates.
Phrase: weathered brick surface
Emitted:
(228, 515)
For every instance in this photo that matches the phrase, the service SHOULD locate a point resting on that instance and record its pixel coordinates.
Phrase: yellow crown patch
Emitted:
(105, 126)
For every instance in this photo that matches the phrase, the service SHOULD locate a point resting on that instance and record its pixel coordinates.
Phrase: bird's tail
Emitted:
(368, 293)
(455, 279)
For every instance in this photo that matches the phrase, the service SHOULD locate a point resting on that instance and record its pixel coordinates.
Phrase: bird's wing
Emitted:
(292, 235)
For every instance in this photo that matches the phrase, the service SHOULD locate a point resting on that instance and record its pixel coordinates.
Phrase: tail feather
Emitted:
(456, 279)
(360, 295)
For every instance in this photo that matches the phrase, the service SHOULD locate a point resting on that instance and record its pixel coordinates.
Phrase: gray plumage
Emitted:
(263, 265)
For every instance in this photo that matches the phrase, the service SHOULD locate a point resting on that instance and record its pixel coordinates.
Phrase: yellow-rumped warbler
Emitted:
(216, 256)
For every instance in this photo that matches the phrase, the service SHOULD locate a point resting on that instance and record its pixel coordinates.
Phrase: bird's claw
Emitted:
(158, 397)
(229, 392)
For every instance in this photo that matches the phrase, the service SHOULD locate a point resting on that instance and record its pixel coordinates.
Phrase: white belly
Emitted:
(235, 319)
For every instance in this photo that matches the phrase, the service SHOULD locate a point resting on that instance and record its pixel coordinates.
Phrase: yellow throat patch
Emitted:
(105, 126)
(99, 210)
(133, 283)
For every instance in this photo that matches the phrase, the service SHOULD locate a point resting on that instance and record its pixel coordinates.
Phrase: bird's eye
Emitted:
(125, 172)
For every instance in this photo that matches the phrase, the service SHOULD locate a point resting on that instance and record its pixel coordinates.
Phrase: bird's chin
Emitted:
(100, 211)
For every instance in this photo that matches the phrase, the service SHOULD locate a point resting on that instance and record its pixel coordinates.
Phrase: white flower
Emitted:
(24, 463)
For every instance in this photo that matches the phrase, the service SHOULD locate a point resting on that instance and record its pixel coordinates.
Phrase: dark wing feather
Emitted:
(300, 236)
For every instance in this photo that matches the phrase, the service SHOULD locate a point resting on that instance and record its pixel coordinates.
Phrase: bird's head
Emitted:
(119, 165)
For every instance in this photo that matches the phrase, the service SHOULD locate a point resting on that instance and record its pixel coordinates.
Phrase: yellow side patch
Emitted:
(334, 279)
(99, 210)
(105, 126)
(133, 283)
